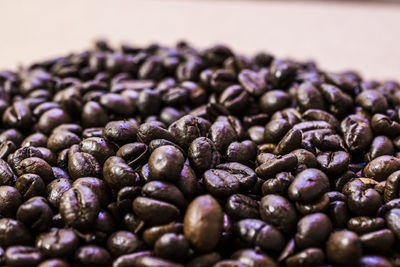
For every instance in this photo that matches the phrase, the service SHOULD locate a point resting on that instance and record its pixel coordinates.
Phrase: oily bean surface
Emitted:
(176, 156)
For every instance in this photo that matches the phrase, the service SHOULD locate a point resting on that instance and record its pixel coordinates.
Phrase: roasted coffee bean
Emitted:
(381, 167)
(149, 209)
(357, 135)
(382, 124)
(362, 199)
(11, 135)
(117, 174)
(240, 206)
(36, 166)
(164, 191)
(234, 98)
(121, 132)
(135, 154)
(23, 256)
(370, 261)
(275, 165)
(13, 232)
(98, 187)
(254, 257)
(255, 232)
(343, 248)
(166, 162)
(97, 147)
(222, 133)
(92, 255)
(23, 153)
(30, 185)
(274, 100)
(60, 140)
(152, 234)
(279, 212)
(393, 222)
(151, 130)
(83, 165)
(79, 207)
(319, 205)
(10, 200)
(172, 246)
(275, 130)
(51, 119)
(333, 163)
(392, 187)
(306, 257)
(313, 230)
(203, 223)
(372, 101)
(308, 185)
(278, 185)
(36, 214)
(363, 224)
(123, 242)
(378, 241)
(308, 97)
(57, 242)
(56, 189)
(253, 82)
(203, 154)
(380, 146)
(290, 141)
(7, 148)
(7, 177)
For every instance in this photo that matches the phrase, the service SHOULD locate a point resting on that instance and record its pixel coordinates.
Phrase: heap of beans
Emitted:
(176, 157)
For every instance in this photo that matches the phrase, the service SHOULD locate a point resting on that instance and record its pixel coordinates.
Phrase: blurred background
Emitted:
(338, 35)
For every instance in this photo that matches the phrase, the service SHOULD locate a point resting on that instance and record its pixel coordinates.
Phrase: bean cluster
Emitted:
(175, 157)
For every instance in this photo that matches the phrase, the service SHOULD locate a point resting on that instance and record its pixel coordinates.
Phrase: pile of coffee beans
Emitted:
(172, 156)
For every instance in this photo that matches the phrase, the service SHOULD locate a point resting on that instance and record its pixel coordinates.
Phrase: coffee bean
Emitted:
(79, 207)
(203, 223)
(278, 211)
(123, 242)
(392, 220)
(23, 256)
(82, 165)
(203, 154)
(149, 209)
(56, 189)
(306, 257)
(36, 166)
(36, 214)
(313, 230)
(369, 261)
(92, 255)
(240, 206)
(252, 82)
(121, 132)
(117, 174)
(172, 246)
(378, 241)
(13, 232)
(381, 167)
(166, 162)
(308, 185)
(275, 165)
(257, 233)
(364, 224)
(57, 242)
(343, 248)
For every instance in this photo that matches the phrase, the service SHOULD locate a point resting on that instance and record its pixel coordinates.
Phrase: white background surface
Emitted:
(338, 35)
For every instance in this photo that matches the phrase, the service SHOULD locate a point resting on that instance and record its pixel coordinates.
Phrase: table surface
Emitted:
(338, 35)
